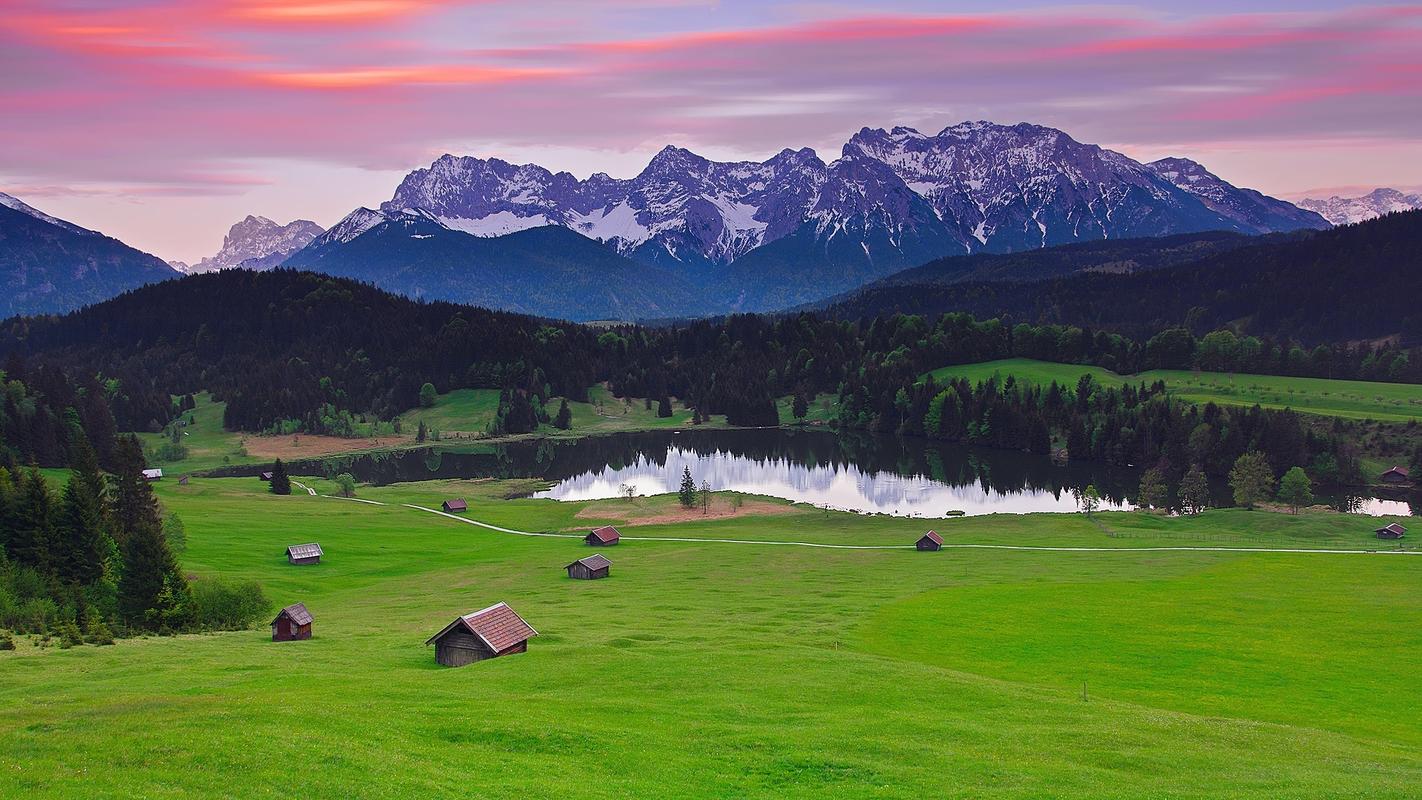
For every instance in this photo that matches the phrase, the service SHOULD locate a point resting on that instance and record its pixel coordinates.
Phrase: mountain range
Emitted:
(688, 236)
(49, 265)
(1348, 210)
(756, 236)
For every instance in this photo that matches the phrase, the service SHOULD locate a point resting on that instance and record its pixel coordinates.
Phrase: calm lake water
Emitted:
(884, 474)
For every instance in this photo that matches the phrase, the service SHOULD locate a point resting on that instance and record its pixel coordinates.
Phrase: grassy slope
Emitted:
(712, 670)
(207, 442)
(1353, 399)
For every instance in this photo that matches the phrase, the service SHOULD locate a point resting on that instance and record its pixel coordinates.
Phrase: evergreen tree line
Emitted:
(1138, 426)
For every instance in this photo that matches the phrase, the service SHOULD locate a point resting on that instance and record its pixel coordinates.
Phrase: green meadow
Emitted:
(709, 669)
(1394, 402)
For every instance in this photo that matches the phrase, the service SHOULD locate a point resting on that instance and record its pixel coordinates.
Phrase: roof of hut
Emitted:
(597, 561)
(606, 533)
(932, 536)
(304, 550)
(497, 626)
(296, 612)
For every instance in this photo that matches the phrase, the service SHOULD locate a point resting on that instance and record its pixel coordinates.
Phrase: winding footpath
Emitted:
(946, 546)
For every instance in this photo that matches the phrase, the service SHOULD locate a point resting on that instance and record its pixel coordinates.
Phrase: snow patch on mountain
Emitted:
(16, 204)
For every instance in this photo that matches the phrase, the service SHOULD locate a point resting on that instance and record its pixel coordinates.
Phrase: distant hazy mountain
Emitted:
(259, 243)
(547, 271)
(50, 265)
(1347, 210)
(1252, 210)
(791, 229)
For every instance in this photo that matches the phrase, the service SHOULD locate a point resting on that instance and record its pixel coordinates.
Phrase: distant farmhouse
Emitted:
(490, 633)
(590, 568)
(153, 474)
(1391, 531)
(304, 554)
(606, 536)
(292, 623)
(1396, 475)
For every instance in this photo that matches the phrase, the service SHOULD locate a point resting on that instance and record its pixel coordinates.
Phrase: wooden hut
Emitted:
(1391, 531)
(590, 568)
(492, 632)
(1396, 475)
(292, 623)
(153, 474)
(304, 554)
(454, 505)
(183, 481)
(606, 536)
(265, 476)
(929, 541)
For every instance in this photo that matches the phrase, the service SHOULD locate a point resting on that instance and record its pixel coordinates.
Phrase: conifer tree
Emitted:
(687, 492)
(564, 420)
(1194, 491)
(281, 482)
(31, 539)
(79, 556)
(133, 503)
(151, 590)
(664, 408)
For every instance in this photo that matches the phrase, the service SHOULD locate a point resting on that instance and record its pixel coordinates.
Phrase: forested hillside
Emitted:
(1358, 282)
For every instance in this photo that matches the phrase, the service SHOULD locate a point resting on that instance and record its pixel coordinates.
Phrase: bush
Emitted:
(69, 635)
(222, 605)
(7, 641)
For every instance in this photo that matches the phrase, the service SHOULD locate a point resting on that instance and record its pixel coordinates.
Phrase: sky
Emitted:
(162, 122)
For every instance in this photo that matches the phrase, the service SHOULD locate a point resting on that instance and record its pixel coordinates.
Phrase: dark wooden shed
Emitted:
(454, 505)
(590, 568)
(266, 476)
(492, 632)
(606, 536)
(1391, 531)
(292, 623)
(183, 481)
(929, 541)
(304, 553)
(1396, 475)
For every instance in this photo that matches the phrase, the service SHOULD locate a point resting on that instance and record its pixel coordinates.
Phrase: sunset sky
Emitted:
(162, 123)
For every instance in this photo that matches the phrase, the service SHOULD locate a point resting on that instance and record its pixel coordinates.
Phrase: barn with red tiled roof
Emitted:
(488, 633)
(606, 536)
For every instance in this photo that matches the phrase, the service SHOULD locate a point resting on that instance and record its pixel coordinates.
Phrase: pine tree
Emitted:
(281, 482)
(79, 557)
(151, 591)
(1152, 490)
(687, 492)
(564, 420)
(422, 433)
(800, 406)
(31, 540)
(664, 408)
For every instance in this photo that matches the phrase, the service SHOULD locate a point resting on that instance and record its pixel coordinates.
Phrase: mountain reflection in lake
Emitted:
(935, 483)
(857, 472)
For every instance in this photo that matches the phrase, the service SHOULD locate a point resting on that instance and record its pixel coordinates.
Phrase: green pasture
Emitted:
(1396, 402)
(709, 669)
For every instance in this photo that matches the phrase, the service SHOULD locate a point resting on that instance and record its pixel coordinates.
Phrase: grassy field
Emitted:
(1394, 402)
(705, 669)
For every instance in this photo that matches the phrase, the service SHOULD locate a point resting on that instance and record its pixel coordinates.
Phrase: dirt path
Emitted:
(1023, 547)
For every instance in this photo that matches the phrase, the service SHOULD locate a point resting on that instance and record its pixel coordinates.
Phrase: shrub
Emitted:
(7, 641)
(69, 635)
(218, 604)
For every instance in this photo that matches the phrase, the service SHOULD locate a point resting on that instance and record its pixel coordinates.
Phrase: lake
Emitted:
(851, 472)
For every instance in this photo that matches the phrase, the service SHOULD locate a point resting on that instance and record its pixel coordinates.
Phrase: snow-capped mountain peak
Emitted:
(16, 204)
(258, 243)
(974, 186)
(1348, 210)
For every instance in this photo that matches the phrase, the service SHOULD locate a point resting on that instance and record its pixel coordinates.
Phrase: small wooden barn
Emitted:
(1391, 531)
(292, 623)
(606, 536)
(265, 476)
(590, 568)
(929, 541)
(183, 481)
(1396, 475)
(492, 632)
(304, 554)
(153, 474)
(454, 505)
